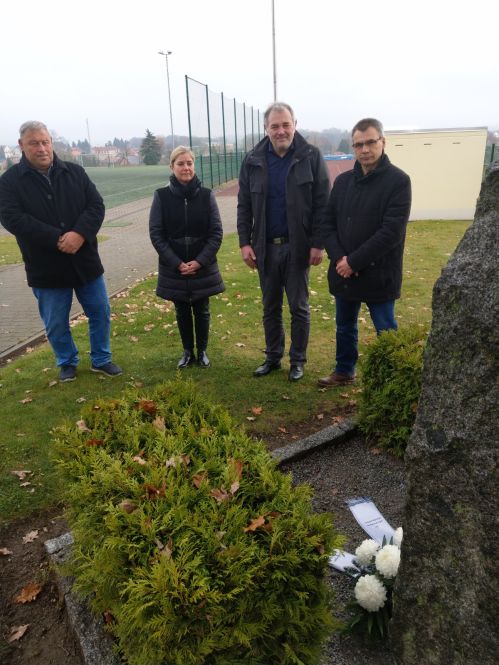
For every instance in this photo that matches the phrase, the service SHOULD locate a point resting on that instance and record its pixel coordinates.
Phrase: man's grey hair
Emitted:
(364, 124)
(279, 107)
(32, 125)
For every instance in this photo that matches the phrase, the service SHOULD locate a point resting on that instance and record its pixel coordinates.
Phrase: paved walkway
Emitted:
(127, 255)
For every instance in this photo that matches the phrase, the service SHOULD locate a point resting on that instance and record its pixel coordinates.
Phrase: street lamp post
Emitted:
(166, 54)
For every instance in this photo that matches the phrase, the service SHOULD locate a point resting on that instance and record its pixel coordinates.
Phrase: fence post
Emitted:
(225, 142)
(188, 110)
(209, 135)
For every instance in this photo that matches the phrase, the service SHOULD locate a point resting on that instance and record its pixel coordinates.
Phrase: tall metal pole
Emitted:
(273, 52)
(166, 54)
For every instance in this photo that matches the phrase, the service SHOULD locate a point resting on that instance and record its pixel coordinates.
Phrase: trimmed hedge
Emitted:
(193, 544)
(391, 385)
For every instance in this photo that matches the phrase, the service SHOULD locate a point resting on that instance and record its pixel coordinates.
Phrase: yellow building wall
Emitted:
(445, 167)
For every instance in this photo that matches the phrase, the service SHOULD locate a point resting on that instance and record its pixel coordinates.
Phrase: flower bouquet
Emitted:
(375, 568)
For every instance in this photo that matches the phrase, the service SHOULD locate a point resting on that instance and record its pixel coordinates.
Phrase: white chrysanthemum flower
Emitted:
(370, 593)
(398, 536)
(365, 551)
(387, 560)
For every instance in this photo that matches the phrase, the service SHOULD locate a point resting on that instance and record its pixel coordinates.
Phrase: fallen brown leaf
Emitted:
(28, 593)
(5, 552)
(16, 632)
(159, 423)
(21, 474)
(220, 494)
(282, 429)
(82, 426)
(257, 410)
(198, 478)
(255, 524)
(30, 537)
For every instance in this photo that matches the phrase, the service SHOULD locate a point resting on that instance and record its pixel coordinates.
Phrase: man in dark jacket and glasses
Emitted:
(365, 224)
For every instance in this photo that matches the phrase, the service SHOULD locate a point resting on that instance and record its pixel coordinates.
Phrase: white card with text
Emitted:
(370, 519)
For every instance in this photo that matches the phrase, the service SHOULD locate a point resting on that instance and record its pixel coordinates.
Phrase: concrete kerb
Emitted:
(97, 645)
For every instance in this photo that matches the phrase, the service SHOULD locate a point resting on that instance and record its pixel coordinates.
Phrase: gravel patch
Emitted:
(343, 471)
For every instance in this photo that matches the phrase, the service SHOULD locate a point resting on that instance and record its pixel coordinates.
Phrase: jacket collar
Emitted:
(25, 167)
(382, 166)
(301, 148)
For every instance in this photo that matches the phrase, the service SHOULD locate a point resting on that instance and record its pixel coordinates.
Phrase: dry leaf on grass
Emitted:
(26, 400)
(82, 426)
(21, 474)
(28, 593)
(16, 632)
(5, 552)
(256, 410)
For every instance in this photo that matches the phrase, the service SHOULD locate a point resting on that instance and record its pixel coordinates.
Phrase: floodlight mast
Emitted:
(166, 54)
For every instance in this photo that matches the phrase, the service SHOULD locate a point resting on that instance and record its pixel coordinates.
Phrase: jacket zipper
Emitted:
(185, 230)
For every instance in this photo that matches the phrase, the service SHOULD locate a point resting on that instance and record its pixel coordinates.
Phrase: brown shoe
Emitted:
(336, 379)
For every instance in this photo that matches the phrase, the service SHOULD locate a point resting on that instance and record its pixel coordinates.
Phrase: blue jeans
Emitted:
(54, 306)
(347, 312)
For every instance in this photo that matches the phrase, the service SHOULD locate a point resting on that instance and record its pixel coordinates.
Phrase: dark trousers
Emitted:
(193, 317)
(277, 277)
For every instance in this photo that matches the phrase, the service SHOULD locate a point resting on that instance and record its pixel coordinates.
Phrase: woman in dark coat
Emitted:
(186, 231)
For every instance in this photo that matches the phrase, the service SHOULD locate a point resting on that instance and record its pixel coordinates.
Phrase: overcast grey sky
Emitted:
(426, 64)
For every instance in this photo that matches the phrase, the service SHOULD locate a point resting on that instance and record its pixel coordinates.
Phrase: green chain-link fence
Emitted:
(221, 131)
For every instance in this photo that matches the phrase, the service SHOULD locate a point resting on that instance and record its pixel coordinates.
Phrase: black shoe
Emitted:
(267, 367)
(295, 372)
(203, 360)
(109, 369)
(186, 360)
(67, 373)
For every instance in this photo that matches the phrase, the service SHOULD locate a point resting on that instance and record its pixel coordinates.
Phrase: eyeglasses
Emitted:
(370, 143)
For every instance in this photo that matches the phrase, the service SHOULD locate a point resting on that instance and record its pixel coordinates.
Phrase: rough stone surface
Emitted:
(446, 598)
(96, 645)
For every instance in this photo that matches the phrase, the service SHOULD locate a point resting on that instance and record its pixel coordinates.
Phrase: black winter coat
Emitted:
(307, 189)
(365, 220)
(186, 229)
(37, 213)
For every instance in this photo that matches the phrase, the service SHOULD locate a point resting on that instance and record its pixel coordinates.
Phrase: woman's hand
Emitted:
(189, 268)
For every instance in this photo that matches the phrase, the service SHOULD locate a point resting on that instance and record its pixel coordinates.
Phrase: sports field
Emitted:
(127, 183)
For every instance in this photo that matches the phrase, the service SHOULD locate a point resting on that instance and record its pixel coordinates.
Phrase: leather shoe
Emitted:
(336, 379)
(203, 360)
(186, 360)
(295, 372)
(267, 367)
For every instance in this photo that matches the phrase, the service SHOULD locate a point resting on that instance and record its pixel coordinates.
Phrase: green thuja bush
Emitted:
(197, 548)
(391, 385)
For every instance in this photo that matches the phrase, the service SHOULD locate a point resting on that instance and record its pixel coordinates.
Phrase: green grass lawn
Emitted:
(127, 183)
(146, 343)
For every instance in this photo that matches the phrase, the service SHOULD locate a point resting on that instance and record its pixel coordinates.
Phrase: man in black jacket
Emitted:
(283, 190)
(365, 224)
(55, 212)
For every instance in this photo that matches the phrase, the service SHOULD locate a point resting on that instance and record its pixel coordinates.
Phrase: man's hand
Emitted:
(249, 256)
(342, 268)
(189, 268)
(315, 256)
(70, 242)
